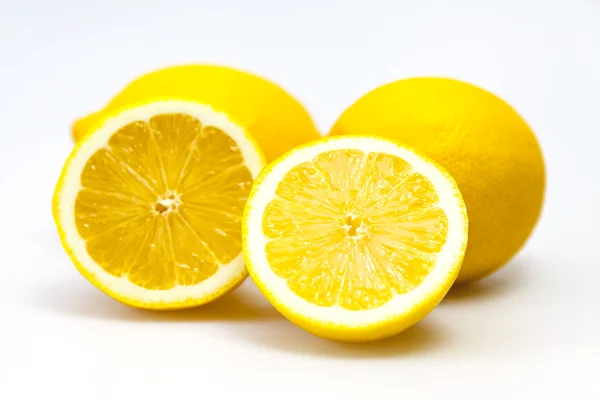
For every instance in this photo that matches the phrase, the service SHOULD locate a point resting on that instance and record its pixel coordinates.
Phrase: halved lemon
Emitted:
(149, 204)
(354, 238)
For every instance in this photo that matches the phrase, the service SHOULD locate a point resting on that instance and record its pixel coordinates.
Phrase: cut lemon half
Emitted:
(354, 238)
(149, 204)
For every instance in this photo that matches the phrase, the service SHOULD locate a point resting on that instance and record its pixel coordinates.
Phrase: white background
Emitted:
(530, 331)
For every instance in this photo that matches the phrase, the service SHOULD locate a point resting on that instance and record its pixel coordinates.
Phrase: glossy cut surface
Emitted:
(351, 229)
(161, 204)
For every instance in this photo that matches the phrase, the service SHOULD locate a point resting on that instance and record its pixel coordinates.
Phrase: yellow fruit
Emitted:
(482, 142)
(149, 204)
(275, 119)
(354, 238)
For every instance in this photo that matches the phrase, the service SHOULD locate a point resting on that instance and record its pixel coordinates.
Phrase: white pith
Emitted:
(446, 267)
(71, 185)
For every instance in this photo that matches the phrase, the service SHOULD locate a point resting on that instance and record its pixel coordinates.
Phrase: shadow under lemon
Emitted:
(79, 299)
(510, 278)
(281, 335)
(261, 325)
(431, 334)
(264, 326)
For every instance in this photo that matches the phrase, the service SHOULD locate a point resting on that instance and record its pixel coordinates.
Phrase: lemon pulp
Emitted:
(353, 230)
(161, 204)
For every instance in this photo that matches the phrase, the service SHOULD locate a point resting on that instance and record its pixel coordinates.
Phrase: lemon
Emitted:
(484, 144)
(354, 238)
(149, 204)
(275, 119)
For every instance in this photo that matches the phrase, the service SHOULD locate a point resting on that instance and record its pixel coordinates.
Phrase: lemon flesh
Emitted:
(156, 206)
(354, 238)
(352, 230)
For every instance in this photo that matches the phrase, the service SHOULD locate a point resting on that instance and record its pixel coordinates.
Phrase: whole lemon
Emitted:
(485, 145)
(272, 116)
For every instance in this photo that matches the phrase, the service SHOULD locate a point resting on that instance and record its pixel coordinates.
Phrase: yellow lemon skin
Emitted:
(272, 116)
(482, 141)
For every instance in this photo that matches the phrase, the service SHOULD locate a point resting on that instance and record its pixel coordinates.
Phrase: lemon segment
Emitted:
(149, 206)
(354, 238)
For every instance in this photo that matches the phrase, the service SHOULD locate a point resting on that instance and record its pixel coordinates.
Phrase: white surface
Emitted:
(530, 331)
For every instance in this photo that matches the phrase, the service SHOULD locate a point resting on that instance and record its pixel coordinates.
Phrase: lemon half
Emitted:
(354, 238)
(149, 204)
